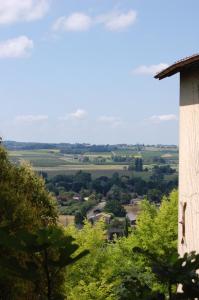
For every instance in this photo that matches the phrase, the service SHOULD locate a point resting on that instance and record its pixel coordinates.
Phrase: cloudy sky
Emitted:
(82, 71)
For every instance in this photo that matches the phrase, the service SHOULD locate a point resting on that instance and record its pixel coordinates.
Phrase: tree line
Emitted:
(115, 190)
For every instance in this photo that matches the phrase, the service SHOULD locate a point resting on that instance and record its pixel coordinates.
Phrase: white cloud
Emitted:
(79, 114)
(22, 10)
(116, 21)
(78, 21)
(75, 22)
(31, 118)
(163, 118)
(16, 48)
(150, 70)
(111, 121)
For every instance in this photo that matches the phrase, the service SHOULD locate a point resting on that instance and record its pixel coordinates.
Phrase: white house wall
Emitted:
(189, 162)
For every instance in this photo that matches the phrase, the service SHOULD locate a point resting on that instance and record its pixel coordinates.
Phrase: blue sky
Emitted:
(82, 70)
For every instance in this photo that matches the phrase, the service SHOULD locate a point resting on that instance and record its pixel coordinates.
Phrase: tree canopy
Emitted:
(33, 248)
(114, 270)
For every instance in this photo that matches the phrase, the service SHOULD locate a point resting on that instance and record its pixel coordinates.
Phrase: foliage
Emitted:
(114, 207)
(156, 232)
(113, 270)
(116, 187)
(138, 164)
(34, 251)
(24, 199)
(158, 224)
(71, 207)
(48, 251)
(85, 279)
(79, 218)
(24, 205)
(176, 271)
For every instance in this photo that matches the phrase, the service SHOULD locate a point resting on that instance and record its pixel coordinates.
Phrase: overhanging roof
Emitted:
(178, 66)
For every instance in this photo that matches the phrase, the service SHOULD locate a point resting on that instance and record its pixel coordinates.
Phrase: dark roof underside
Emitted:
(178, 66)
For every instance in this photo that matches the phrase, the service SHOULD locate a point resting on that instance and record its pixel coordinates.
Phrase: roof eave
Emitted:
(178, 67)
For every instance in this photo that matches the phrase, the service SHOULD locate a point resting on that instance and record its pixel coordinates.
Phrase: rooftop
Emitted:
(178, 66)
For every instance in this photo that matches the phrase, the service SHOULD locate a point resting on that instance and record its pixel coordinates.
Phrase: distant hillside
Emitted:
(81, 148)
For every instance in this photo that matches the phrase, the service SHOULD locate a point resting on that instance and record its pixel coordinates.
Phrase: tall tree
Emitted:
(24, 204)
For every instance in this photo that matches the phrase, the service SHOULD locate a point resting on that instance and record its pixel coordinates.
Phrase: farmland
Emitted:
(56, 161)
(75, 172)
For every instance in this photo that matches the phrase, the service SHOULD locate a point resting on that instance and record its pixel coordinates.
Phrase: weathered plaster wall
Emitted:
(188, 226)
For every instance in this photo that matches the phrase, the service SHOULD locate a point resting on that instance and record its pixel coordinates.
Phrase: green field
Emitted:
(54, 162)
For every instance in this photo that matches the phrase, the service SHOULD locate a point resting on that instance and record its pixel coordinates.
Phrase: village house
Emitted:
(100, 216)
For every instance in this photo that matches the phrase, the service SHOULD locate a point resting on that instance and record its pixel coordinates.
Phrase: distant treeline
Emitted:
(65, 148)
(116, 187)
(77, 148)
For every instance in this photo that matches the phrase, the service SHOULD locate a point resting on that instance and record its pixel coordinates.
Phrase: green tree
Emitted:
(113, 270)
(175, 271)
(154, 195)
(24, 204)
(155, 233)
(156, 228)
(79, 218)
(48, 251)
(114, 207)
(88, 279)
(138, 164)
(114, 192)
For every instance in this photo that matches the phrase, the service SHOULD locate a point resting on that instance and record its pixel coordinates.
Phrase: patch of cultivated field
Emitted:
(94, 154)
(66, 220)
(80, 167)
(54, 162)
